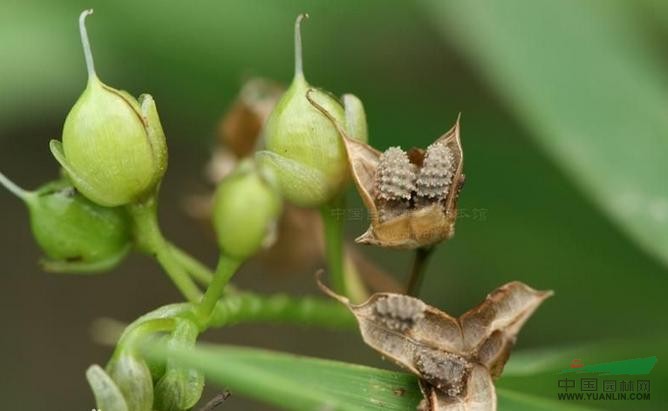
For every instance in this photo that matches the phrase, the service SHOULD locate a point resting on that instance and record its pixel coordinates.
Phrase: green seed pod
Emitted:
(303, 147)
(107, 395)
(180, 388)
(246, 207)
(76, 234)
(113, 146)
(133, 379)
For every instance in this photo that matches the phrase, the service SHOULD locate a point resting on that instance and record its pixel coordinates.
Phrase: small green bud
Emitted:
(76, 234)
(133, 379)
(113, 146)
(303, 148)
(108, 396)
(180, 388)
(246, 207)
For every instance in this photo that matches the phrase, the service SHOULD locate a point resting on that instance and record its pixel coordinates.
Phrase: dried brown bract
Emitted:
(455, 358)
(240, 129)
(411, 196)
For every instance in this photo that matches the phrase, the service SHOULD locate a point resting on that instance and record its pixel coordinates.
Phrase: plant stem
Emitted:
(196, 269)
(149, 239)
(422, 255)
(333, 224)
(244, 307)
(227, 266)
(247, 307)
(15, 189)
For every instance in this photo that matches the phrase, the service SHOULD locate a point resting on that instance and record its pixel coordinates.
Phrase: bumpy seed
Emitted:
(399, 312)
(436, 173)
(395, 176)
(445, 371)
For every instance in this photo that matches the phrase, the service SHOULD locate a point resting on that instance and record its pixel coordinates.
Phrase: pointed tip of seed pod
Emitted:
(299, 67)
(14, 188)
(88, 54)
(327, 290)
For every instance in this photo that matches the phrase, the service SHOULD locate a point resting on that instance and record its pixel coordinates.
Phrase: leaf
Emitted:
(535, 372)
(587, 84)
(520, 401)
(458, 357)
(298, 383)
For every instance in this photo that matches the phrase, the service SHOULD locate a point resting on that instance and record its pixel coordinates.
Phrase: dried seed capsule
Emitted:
(443, 370)
(436, 173)
(400, 217)
(399, 312)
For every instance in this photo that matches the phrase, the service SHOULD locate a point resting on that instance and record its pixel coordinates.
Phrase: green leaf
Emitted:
(586, 82)
(298, 383)
(536, 372)
(519, 401)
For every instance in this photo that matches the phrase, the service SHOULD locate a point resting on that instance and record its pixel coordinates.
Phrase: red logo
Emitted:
(577, 363)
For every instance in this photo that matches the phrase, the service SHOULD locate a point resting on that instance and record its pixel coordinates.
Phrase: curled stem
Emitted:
(88, 54)
(299, 68)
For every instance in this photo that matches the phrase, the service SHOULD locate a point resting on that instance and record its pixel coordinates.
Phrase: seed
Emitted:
(436, 173)
(399, 312)
(395, 176)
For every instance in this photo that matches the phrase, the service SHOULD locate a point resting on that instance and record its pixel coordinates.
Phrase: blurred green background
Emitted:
(564, 126)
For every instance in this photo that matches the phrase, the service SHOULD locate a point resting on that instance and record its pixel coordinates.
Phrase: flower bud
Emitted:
(113, 146)
(246, 207)
(180, 388)
(304, 148)
(107, 395)
(133, 379)
(76, 234)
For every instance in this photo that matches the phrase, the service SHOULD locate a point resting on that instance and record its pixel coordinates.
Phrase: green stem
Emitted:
(227, 266)
(246, 307)
(333, 224)
(13, 188)
(196, 269)
(149, 239)
(420, 261)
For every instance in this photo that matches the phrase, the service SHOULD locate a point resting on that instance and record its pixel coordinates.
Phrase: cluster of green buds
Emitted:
(131, 383)
(303, 148)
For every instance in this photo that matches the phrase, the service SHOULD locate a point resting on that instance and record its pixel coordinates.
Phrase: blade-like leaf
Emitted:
(300, 383)
(583, 78)
(519, 401)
